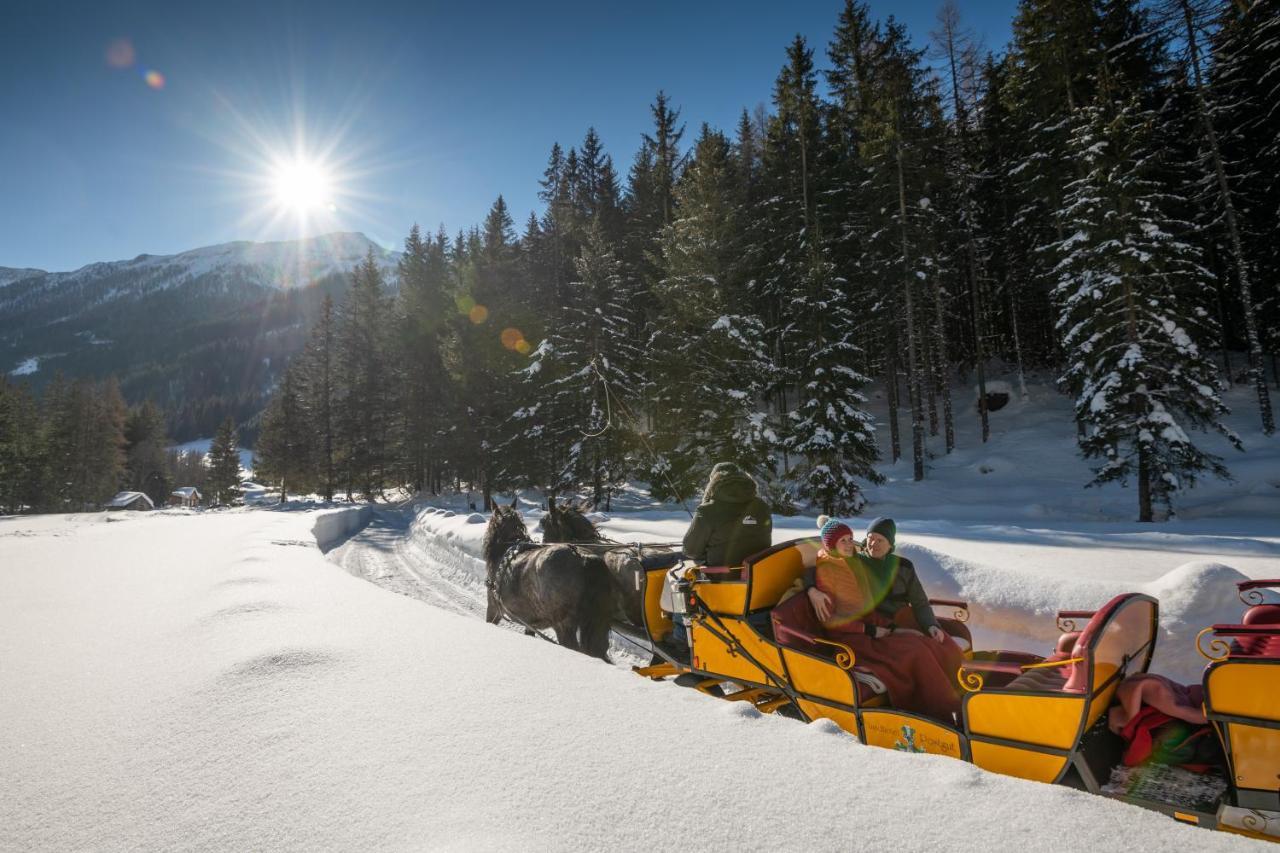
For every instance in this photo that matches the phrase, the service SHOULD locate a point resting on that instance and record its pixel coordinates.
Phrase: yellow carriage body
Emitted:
(1024, 715)
(1242, 701)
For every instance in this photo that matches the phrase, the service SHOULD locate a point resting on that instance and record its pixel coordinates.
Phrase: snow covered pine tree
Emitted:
(1124, 279)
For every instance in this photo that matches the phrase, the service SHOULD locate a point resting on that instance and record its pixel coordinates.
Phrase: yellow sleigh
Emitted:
(1026, 715)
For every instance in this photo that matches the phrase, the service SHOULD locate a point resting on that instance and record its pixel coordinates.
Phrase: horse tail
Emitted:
(595, 609)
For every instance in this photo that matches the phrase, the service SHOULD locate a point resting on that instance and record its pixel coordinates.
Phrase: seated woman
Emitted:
(900, 600)
(845, 601)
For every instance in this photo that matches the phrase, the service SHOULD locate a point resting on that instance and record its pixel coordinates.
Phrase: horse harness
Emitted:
(590, 548)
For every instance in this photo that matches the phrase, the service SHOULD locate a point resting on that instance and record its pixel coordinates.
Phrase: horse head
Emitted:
(505, 529)
(568, 523)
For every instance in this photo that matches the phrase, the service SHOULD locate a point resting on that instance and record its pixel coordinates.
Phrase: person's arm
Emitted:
(695, 541)
(919, 599)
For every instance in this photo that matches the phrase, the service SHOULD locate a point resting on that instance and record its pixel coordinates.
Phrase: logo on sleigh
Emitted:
(907, 742)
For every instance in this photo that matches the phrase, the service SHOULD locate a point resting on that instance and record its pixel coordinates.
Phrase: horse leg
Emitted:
(567, 635)
(594, 634)
(493, 612)
(595, 610)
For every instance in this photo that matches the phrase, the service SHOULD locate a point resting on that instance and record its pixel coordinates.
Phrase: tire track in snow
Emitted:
(384, 553)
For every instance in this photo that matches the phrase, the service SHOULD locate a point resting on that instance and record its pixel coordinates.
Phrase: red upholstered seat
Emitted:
(1069, 677)
(1251, 638)
(795, 625)
(1257, 646)
(1262, 614)
(1050, 678)
(1077, 675)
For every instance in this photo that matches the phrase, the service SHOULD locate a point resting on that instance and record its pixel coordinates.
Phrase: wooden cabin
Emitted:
(130, 500)
(188, 496)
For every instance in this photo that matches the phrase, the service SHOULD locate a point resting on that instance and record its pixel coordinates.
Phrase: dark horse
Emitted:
(626, 564)
(546, 586)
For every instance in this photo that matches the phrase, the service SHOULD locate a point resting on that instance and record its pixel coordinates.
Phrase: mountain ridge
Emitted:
(204, 332)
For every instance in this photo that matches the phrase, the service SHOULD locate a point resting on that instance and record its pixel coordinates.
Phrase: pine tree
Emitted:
(649, 206)
(21, 448)
(492, 345)
(996, 208)
(898, 144)
(320, 396)
(1246, 84)
(146, 444)
(363, 427)
(282, 452)
(424, 308)
(785, 220)
(831, 432)
(223, 481)
(710, 356)
(585, 380)
(959, 52)
(1138, 376)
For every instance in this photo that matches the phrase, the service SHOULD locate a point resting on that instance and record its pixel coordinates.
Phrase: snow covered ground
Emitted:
(1031, 472)
(209, 681)
(215, 680)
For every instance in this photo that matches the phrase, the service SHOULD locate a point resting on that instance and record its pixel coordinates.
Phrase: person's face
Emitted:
(877, 545)
(844, 545)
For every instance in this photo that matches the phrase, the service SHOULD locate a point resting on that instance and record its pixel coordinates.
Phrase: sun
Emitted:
(302, 186)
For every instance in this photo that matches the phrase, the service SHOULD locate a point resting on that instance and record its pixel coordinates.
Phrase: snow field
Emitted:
(208, 681)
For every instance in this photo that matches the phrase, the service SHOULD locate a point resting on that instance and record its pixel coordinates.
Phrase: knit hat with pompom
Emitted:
(832, 531)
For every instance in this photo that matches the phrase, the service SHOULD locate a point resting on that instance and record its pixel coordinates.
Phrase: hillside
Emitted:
(204, 333)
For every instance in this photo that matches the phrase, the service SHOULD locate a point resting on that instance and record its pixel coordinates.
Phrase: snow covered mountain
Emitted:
(216, 322)
(284, 264)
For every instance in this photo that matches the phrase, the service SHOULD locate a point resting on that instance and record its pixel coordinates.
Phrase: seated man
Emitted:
(731, 523)
(904, 661)
(899, 599)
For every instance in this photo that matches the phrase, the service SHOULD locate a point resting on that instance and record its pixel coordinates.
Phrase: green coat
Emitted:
(731, 524)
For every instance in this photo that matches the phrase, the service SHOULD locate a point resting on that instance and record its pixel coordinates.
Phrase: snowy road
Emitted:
(384, 554)
(430, 569)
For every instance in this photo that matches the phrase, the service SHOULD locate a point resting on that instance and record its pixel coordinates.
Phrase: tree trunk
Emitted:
(913, 362)
(1233, 229)
(1144, 485)
(891, 391)
(940, 371)
(931, 370)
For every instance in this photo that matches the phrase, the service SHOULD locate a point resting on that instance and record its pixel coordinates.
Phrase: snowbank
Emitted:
(212, 683)
(333, 526)
(1015, 579)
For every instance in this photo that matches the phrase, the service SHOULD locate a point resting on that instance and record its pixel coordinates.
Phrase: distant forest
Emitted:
(1100, 201)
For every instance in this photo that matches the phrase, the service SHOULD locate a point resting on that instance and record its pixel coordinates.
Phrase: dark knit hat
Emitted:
(885, 527)
(832, 531)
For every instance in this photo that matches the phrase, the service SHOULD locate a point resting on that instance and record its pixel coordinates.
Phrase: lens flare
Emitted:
(478, 314)
(120, 53)
(511, 337)
(154, 79)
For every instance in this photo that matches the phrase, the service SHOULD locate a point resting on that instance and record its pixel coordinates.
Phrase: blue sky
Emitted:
(424, 111)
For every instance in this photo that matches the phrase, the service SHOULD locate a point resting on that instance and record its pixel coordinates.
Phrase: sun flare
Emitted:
(302, 186)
